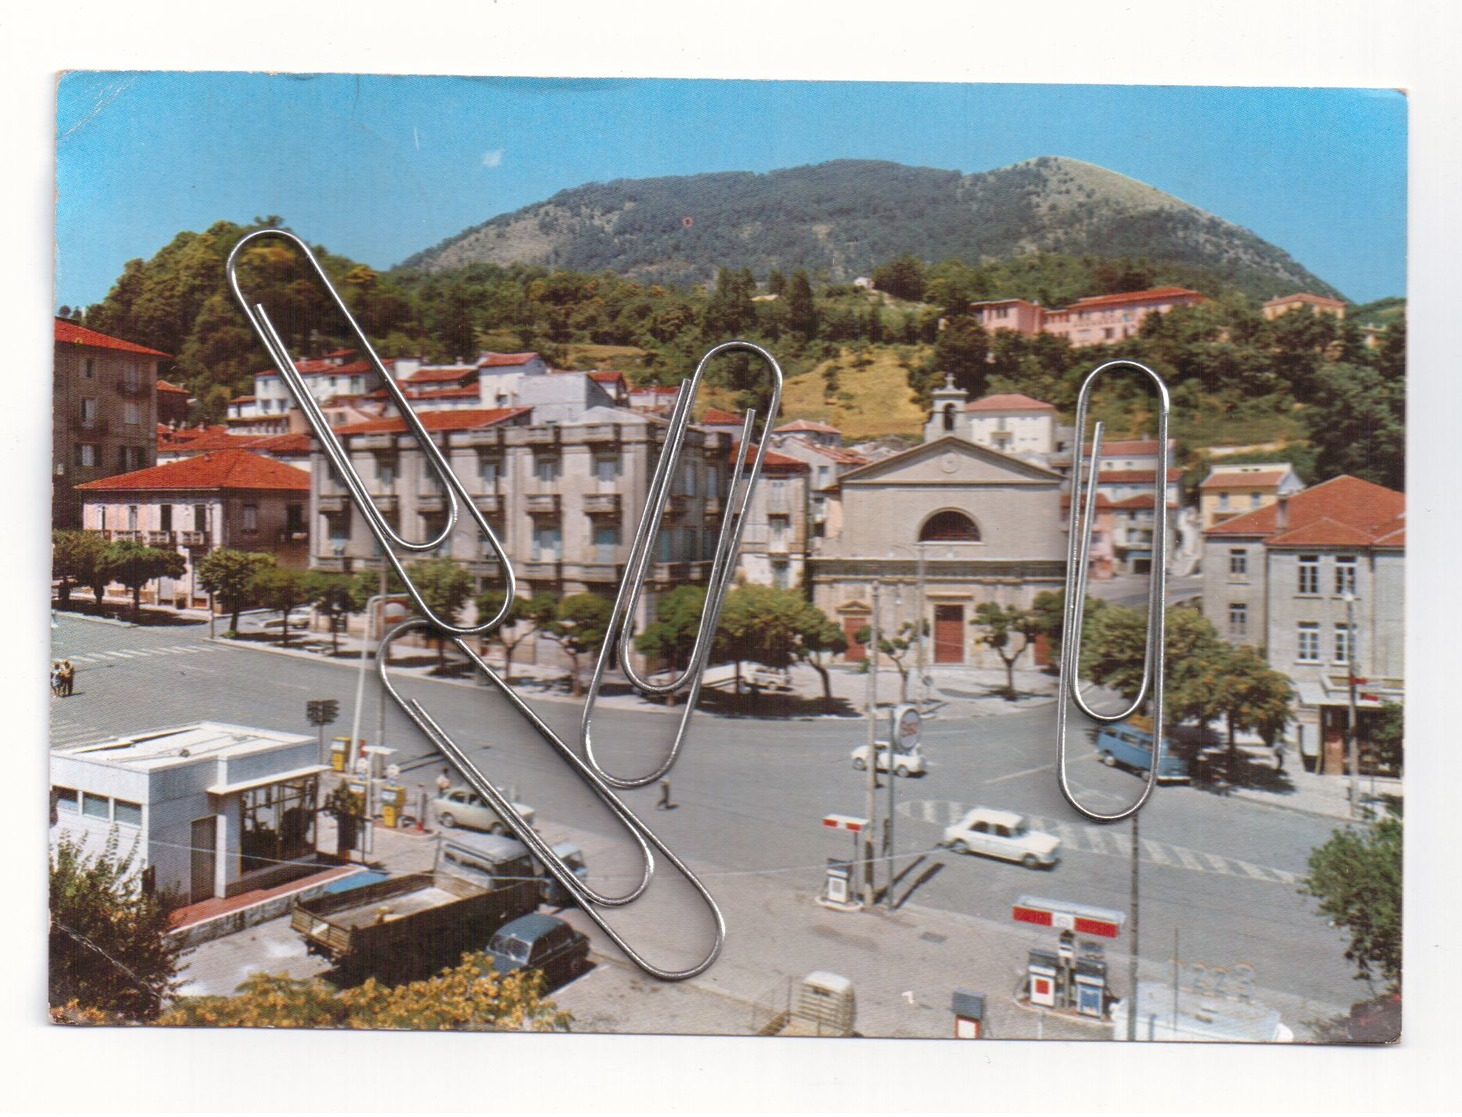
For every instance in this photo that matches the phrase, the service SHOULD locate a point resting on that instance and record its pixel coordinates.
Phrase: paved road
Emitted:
(750, 794)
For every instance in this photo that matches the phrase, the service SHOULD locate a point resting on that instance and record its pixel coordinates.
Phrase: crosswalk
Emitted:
(120, 654)
(1102, 842)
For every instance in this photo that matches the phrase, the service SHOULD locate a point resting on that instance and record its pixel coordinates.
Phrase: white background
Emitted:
(1409, 44)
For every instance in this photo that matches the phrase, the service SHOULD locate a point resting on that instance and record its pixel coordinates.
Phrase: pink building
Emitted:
(1105, 319)
(1317, 304)
(1025, 318)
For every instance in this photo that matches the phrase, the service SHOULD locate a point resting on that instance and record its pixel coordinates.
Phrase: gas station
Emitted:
(1073, 976)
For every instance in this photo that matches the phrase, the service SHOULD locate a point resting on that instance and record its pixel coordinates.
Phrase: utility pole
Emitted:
(872, 702)
(1132, 903)
(919, 633)
(1351, 748)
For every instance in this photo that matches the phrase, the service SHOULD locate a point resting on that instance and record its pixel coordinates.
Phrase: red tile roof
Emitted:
(341, 353)
(469, 391)
(1342, 512)
(806, 425)
(1302, 297)
(438, 373)
(609, 377)
(1134, 447)
(771, 462)
(296, 443)
(462, 419)
(222, 469)
(505, 360)
(715, 417)
(1133, 476)
(1152, 294)
(164, 386)
(1011, 401)
(321, 367)
(1141, 500)
(72, 334)
(1257, 479)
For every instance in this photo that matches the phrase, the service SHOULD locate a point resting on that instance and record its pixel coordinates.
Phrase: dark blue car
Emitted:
(540, 942)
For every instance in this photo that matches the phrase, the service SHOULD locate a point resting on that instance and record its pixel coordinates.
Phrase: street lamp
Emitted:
(920, 658)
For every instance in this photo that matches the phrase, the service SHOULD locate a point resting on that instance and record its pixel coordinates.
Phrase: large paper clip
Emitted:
(617, 641)
(588, 899)
(387, 538)
(1083, 514)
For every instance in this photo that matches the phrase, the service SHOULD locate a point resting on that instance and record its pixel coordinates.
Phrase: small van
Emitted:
(1129, 746)
(506, 859)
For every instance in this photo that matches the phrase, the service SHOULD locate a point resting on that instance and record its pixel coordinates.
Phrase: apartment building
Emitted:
(1232, 490)
(1317, 580)
(1095, 320)
(1316, 304)
(221, 498)
(104, 415)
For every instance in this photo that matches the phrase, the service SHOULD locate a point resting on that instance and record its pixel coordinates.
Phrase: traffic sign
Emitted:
(905, 728)
(844, 822)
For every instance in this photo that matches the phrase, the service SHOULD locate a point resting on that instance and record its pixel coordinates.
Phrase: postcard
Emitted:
(560, 555)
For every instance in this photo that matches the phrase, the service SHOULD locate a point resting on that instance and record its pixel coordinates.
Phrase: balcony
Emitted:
(712, 509)
(542, 504)
(159, 539)
(533, 436)
(382, 441)
(89, 428)
(333, 502)
(193, 538)
(125, 536)
(287, 536)
(599, 432)
(677, 505)
(488, 503)
(541, 570)
(778, 546)
(131, 388)
(607, 573)
(385, 502)
(431, 500)
(601, 504)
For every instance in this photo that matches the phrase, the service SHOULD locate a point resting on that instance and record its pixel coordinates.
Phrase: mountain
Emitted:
(840, 219)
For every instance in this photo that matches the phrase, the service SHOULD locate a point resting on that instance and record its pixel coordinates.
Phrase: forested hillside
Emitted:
(838, 220)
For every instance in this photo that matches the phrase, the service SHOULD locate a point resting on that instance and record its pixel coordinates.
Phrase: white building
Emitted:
(211, 809)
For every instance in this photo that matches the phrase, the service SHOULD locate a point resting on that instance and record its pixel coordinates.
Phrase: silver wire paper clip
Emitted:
(588, 899)
(733, 521)
(1083, 515)
(387, 538)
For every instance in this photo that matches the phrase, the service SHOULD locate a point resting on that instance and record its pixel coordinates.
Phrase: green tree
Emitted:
(1358, 425)
(670, 637)
(1250, 695)
(109, 950)
(759, 624)
(445, 586)
(819, 638)
(523, 620)
(470, 996)
(801, 309)
(1356, 876)
(960, 348)
(896, 648)
(1113, 654)
(902, 278)
(76, 559)
(229, 575)
(1388, 736)
(135, 564)
(1000, 626)
(283, 590)
(580, 626)
(335, 596)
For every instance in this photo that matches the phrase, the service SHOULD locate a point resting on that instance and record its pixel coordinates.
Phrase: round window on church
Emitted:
(949, 527)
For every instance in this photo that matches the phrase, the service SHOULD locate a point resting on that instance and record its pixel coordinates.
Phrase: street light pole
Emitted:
(872, 700)
(1351, 749)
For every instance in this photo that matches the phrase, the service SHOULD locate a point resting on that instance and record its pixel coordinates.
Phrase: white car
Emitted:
(1002, 834)
(904, 763)
(462, 807)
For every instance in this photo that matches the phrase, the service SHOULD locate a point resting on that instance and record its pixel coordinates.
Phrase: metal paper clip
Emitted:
(1077, 562)
(588, 899)
(733, 522)
(386, 536)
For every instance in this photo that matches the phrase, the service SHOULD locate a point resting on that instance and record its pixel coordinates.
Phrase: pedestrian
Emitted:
(664, 804)
(1279, 757)
(68, 677)
(444, 782)
(55, 678)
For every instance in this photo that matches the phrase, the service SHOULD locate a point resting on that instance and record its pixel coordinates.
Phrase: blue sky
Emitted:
(379, 167)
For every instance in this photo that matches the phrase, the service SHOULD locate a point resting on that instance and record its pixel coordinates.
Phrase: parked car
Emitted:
(462, 806)
(1128, 745)
(904, 763)
(540, 942)
(1002, 834)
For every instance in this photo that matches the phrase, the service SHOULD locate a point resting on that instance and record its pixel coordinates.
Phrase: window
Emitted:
(125, 813)
(606, 542)
(86, 454)
(1309, 570)
(131, 517)
(385, 471)
(1254, 500)
(88, 412)
(66, 800)
(545, 469)
(606, 470)
(1343, 650)
(1238, 620)
(165, 517)
(487, 471)
(1223, 502)
(949, 527)
(129, 457)
(1308, 650)
(277, 823)
(251, 519)
(294, 519)
(96, 806)
(132, 413)
(130, 378)
(1344, 575)
(547, 543)
(200, 517)
(88, 368)
(779, 574)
